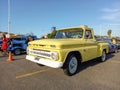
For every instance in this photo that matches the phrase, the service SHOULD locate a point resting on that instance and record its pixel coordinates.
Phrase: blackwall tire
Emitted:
(17, 51)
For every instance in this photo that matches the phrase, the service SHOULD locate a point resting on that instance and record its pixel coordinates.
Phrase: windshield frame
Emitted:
(69, 34)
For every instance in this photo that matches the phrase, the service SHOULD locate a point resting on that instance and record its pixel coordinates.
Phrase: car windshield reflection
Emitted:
(69, 34)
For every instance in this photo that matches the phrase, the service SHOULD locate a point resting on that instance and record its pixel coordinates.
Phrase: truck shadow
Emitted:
(19, 57)
(93, 62)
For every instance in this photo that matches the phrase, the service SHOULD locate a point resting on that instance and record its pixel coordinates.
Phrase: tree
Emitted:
(109, 33)
(52, 34)
(49, 35)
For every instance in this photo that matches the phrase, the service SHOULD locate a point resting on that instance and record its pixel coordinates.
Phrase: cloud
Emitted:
(108, 10)
(112, 14)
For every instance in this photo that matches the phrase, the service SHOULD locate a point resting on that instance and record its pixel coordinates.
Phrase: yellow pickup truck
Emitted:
(69, 48)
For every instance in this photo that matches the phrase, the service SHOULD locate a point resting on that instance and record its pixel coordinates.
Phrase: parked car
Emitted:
(118, 44)
(112, 47)
(18, 45)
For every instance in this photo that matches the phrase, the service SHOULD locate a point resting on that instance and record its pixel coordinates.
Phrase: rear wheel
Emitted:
(71, 65)
(103, 57)
(116, 50)
(17, 51)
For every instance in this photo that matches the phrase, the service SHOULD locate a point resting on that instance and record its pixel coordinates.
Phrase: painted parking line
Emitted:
(31, 74)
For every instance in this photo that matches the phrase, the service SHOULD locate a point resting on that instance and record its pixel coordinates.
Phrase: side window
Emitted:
(88, 34)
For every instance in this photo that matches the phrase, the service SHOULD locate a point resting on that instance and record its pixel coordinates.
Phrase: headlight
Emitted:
(28, 51)
(54, 55)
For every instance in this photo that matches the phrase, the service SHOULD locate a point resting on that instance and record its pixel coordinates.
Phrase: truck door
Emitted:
(90, 46)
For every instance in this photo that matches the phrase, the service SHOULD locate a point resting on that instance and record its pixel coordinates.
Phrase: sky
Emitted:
(39, 16)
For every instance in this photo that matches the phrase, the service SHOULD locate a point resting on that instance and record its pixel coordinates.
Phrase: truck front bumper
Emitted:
(50, 63)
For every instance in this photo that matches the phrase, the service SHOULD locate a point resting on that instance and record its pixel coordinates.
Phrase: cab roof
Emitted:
(83, 27)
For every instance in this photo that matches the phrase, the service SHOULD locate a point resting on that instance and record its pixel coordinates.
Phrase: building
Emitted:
(11, 35)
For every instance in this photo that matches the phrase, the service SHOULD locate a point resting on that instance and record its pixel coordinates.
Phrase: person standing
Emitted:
(4, 44)
(30, 38)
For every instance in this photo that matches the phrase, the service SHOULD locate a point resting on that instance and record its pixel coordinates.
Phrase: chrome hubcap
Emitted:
(103, 56)
(17, 51)
(73, 65)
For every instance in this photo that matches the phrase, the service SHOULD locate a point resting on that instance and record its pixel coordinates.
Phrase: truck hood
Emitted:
(56, 43)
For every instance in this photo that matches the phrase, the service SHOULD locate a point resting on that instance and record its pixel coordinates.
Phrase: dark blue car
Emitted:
(112, 47)
(18, 45)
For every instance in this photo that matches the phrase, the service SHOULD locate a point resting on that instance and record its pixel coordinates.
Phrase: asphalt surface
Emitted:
(21, 74)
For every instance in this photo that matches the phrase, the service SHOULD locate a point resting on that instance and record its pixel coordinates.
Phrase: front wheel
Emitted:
(103, 57)
(71, 65)
(17, 51)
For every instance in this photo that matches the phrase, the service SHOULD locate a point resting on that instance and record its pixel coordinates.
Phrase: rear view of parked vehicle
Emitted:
(112, 47)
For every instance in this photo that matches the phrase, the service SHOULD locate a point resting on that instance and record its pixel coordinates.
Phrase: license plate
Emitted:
(37, 58)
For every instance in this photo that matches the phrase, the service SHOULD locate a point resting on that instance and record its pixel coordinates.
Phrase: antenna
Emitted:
(8, 18)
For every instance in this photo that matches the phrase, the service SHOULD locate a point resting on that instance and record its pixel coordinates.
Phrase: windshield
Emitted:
(69, 34)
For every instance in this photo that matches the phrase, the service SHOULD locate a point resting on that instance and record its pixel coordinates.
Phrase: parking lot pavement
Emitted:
(21, 74)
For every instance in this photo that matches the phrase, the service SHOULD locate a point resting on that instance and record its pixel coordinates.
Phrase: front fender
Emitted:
(13, 48)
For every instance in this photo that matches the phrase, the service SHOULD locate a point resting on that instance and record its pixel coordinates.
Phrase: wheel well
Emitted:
(77, 54)
(104, 50)
(17, 48)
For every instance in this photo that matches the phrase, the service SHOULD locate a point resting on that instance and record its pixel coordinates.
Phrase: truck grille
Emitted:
(40, 53)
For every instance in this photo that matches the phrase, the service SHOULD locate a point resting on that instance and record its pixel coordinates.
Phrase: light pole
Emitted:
(8, 18)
